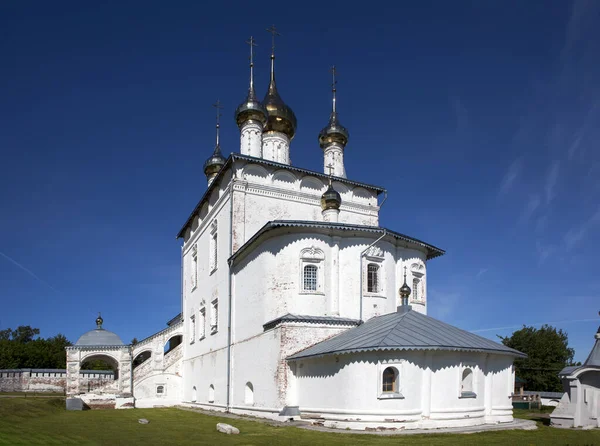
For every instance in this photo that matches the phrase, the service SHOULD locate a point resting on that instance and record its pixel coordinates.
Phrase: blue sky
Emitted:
(480, 118)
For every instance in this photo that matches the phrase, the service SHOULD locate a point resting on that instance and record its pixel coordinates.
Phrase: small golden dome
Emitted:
(331, 199)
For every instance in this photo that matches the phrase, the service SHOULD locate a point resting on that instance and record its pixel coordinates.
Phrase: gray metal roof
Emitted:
(405, 329)
(235, 156)
(331, 320)
(432, 251)
(594, 358)
(99, 337)
(544, 394)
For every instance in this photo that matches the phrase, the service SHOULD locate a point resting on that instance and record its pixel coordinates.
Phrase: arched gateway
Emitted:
(116, 391)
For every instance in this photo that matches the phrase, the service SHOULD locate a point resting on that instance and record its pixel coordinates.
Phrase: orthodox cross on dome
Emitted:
(330, 169)
(217, 105)
(274, 33)
(333, 89)
(252, 44)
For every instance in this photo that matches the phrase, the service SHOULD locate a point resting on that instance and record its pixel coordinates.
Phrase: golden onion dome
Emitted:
(405, 290)
(334, 132)
(331, 199)
(280, 117)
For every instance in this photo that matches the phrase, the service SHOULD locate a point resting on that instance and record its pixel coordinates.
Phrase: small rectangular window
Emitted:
(372, 278)
(202, 324)
(194, 272)
(213, 252)
(310, 278)
(214, 317)
(192, 329)
(415, 290)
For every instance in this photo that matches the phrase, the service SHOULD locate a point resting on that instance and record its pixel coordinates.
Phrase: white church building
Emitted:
(296, 302)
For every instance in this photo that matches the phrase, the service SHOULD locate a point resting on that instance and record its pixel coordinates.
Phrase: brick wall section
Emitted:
(48, 380)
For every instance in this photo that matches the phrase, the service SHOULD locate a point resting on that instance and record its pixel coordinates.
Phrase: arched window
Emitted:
(467, 380)
(249, 394)
(372, 278)
(194, 394)
(466, 385)
(390, 380)
(310, 278)
(311, 270)
(211, 394)
(160, 390)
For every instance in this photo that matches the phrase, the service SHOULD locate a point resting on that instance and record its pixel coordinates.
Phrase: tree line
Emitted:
(547, 351)
(21, 349)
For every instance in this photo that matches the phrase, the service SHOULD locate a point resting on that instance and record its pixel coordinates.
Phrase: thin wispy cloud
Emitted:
(481, 272)
(551, 179)
(533, 324)
(511, 176)
(544, 251)
(532, 205)
(577, 233)
(28, 271)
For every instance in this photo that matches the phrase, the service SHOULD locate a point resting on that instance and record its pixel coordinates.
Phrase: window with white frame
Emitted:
(311, 270)
(213, 248)
(161, 390)
(373, 285)
(192, 329)
(415, 289)
(194, 268)
(214, 316)
(389, 382)
(202, 324)
(310, 277)
(372, 273)
(417, 270)
(467, 383)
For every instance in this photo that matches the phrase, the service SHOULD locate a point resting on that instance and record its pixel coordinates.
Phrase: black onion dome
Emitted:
(213, 164)
(331, 199)
(280, 118)
(334, 132)
(250, 109)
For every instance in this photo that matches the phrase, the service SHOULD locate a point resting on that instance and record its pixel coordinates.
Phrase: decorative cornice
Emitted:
(303, 197)
(233, 157)
(322, 320)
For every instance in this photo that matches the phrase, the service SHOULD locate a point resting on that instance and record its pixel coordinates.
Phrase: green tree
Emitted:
(19, 349)
(547, 352)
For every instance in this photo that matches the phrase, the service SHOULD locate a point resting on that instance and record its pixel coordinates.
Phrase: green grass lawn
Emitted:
(30, 421)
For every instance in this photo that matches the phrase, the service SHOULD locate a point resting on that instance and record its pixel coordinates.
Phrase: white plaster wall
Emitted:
(268, 281)
(203, 370)
(426, 403)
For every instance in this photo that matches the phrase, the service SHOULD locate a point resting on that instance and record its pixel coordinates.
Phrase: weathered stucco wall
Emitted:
(49, 380)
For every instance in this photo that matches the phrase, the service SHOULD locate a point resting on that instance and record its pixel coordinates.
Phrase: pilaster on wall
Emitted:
(426, 389)
(238, 226)
(73, 367)
(334, 305)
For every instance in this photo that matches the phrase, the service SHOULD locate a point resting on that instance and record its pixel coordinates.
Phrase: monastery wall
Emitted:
(49, 380)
